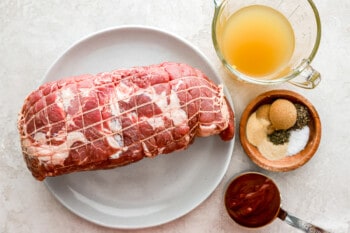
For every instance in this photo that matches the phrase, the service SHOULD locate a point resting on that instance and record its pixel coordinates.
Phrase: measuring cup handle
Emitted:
(298, 223)
(307, 76)
(217, 3)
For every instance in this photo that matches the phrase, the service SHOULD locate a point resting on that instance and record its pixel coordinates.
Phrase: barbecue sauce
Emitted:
(252, 200)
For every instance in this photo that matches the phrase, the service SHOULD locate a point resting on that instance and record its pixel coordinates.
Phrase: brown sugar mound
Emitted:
(283, 114)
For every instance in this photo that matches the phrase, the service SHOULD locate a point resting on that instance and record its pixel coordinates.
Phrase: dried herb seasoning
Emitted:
(303, 116)
(279, 137)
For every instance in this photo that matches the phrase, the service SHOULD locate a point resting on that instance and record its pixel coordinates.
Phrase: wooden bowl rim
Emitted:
(287, 163)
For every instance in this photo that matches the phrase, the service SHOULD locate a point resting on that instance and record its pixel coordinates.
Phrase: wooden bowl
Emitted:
(287, 163)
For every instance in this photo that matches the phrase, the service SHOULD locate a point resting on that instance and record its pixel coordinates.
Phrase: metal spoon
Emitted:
(298, 223)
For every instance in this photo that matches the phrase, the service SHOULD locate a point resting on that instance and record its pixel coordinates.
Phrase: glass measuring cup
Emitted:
(253, 200)
(305, 22)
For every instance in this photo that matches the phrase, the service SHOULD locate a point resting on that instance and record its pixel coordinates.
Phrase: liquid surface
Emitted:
(257, 40)
(252, 200)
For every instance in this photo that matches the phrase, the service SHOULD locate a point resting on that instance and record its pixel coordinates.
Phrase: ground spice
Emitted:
(279, 137)
(276, 144)
(256, 129)
(303, 116)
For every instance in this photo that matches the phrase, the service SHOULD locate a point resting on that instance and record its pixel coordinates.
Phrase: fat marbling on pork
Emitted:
(111, 119)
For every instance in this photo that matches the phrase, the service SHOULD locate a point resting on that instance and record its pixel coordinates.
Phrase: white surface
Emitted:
(152, 191)
(35, 33)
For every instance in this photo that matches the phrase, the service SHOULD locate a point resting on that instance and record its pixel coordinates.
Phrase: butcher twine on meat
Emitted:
(111, 119)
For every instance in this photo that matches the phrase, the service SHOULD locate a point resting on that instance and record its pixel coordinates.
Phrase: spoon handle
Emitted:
(298, 223)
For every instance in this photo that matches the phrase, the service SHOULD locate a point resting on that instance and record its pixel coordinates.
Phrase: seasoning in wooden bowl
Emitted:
(280, 130)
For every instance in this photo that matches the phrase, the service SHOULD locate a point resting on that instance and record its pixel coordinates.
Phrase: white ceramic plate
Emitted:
(151, 191)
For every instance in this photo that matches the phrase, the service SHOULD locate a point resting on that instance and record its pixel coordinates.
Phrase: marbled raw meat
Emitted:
(111, 119)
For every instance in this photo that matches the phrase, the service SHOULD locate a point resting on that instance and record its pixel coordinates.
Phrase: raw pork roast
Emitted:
(107, 120)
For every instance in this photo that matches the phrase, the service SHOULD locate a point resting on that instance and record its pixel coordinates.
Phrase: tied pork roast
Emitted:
(111, 119)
